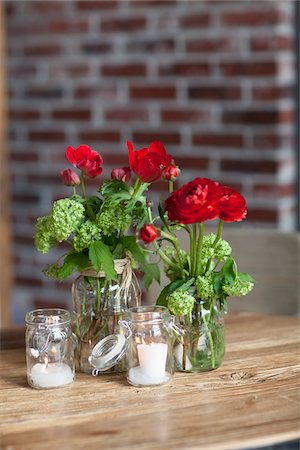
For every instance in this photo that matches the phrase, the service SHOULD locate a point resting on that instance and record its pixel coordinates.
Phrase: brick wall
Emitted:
(214, 80)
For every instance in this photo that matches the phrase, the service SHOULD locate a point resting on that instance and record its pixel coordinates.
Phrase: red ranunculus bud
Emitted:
(171, 172)
(69, 178)
(121, 174)
(232, 207)
(85, 159)
(148, 233)
(147, 163)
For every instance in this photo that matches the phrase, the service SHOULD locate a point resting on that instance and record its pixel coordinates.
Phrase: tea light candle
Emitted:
(152, 368)
(51, 375)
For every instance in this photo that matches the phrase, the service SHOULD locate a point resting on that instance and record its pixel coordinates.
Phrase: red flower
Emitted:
(171, 172)
(121, 174)
(195, 201)
(69, 178)
(232, 206)
(147, 163)
(148, 233)
(85, 159)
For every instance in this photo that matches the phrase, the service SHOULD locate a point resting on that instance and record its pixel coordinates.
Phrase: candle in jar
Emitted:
(51, 375)
(152, 368)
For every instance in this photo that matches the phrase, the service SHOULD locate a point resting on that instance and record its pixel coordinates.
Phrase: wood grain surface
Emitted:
(253, 399)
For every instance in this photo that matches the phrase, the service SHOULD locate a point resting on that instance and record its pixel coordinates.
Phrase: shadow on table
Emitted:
(291, 445)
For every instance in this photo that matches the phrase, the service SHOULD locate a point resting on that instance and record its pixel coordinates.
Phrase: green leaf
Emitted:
(72, 261)
(129, 243)
(113, 186)
(245, 277)
(151, 272)
(217, 282)
(167, 290)
(186, 286)
(229, 271)
(162, 215)
(101, 258)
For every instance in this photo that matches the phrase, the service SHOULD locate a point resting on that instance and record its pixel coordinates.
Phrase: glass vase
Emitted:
(202, 345)
(99, 304)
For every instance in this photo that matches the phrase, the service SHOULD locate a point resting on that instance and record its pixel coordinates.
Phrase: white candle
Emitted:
(51, 375)
(152, 368)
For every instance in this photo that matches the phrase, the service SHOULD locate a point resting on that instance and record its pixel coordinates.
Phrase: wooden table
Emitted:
(251, 400)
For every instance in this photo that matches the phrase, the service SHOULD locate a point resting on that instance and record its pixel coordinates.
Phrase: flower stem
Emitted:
(193, 243)
(217, 238)
(210, 338)
(88, 207)
(199, 250)
(171, 186)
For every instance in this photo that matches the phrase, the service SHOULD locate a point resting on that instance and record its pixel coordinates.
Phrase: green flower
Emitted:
(112, 219)
(87, 233)
(239, 288)
(66, 216)
(204, 287)
(180, 303)
(42, 239)
(221, 251)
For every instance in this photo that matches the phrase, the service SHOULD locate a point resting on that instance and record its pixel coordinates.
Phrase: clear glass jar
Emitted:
(99, 305)
(50, 348)
(149, 349)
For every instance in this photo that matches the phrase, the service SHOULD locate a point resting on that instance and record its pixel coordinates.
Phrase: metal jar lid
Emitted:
(108, 352)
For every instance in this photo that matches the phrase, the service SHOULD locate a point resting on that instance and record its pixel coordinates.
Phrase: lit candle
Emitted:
(51, 375)
(152, 368)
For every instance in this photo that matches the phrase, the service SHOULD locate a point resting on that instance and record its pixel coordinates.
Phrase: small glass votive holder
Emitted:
(147, 341)
(50, 346)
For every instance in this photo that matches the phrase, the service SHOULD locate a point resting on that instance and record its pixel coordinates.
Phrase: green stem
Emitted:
(199, 250)
(193, 244)
(74, 190)
(171, 186)
(163, 256)
(88, 207)
(210, 338)
(217, 238)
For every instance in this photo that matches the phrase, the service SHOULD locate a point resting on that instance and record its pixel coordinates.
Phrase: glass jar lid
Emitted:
(108, 352)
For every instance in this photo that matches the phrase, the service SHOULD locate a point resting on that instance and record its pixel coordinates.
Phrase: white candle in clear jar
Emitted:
(51, 375)
(152, 368)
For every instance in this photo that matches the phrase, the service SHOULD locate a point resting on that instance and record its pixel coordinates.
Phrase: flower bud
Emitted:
(121, 174)
(171, 172)
(69, 178)
(148, 233)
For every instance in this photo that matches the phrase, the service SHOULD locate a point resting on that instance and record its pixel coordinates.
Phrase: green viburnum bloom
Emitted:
(239, 288)
(43, 239)
(180, 303)
(204, 287)
(112, 219)
(220, 252)
(87, 233)
(66, 216)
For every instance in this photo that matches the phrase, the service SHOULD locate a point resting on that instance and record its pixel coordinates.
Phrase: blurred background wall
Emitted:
(213, 80)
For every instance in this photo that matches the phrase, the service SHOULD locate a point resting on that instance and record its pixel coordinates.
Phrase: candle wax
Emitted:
(51, 375)
(138, 378)
(152, 359)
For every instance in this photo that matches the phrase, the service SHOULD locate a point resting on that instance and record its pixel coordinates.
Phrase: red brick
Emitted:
(59, 71)
(192, 163)
(286, 116)
(23, 240)
(71, 26)
(126, 115)
(46, 135)
(271, 43)
(115, 160)
(25, 197)
(246, 165)
(253, 69)
(262, 215)
(96, 47)
(48, 6)
(44, 179)
(41, 303)
(123, 70)
(218, 140)
(185, 115)
(22, 71)
(212, 45)
(72, 114)
(96, 92)
(215, 92)
(257, 117)
(44, 92)
(271, 141)
(184, 68)
(147, 137)
(25, 156)
(271, 93)
(154, 3)
(127, 25)
(151, 45)
(98, 135)
(24, 114)
(252, 18)
(195, 20)
(28, 281)
(95, 5)
(152, 92)
(42, 50)
(273, 190)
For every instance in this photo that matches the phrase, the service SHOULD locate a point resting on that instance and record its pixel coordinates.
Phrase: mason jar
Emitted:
(50, 346)
(147, 341)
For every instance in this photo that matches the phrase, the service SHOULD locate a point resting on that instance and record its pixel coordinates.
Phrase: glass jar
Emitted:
(99, 304)
(147, 341)
(49, 348)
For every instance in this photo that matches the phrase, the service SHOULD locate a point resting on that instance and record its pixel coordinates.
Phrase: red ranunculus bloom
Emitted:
(69, 178)
(195, 201)
(232, 206)
(171, 172)
(85, 159)
(148, 233)
(148, 163)
(121, 174)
